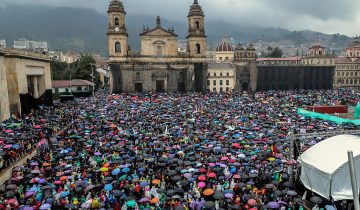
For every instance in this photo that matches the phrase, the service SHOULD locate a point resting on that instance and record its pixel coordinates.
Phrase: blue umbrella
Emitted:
(64, 194)
(108, 187)
(141, 169)
(144, 184)
(45, 206)
(115, 171)
(125, 170)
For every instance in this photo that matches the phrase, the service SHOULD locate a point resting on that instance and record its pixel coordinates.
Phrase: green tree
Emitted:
(58, 69)
(83, 68)
(276, 53)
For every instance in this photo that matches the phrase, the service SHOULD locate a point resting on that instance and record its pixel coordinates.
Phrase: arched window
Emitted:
(117, 47)
(197, 24)
(116, 21)
(159, 50)
(197, 48)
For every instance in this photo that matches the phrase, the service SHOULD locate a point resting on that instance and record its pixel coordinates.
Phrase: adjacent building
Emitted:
(23, 44)
(25, 81)
(76, 87)
(159, 66)
(347, 73)
(221, 77)
(2, 43)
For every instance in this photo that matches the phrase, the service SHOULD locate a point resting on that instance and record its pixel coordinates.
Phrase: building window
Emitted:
(347, 74)
(220, 58)
(338, 74)
(351, 81)
(343, 73)
(197, 24)
(227, 82)
(220, 74)
(221, 90)
(116, 21)
(66, 90)
(214, 89)
(347, 81)
(227, 74)
(197, 49)
(226, 58)
(221, 82)
(351, 74)
(227, 88)
(137, 77)
(208, 74)
(159, 50)
(208, 83)
(78, 88)
(214, 82)
(355, 74)
(117, 47)
(214, 74)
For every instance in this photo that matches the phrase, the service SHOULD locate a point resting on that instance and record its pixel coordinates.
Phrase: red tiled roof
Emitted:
(74, 82)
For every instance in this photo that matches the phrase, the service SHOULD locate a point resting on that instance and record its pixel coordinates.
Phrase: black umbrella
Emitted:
(218, 196)
(316, 199)
(9, 194)
(209, 204)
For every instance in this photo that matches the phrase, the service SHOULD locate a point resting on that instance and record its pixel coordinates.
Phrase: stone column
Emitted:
(36, 89)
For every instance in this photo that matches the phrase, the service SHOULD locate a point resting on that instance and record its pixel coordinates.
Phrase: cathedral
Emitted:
(158, 66)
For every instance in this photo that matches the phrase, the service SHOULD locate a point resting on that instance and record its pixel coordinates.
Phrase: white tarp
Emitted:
(325, 169)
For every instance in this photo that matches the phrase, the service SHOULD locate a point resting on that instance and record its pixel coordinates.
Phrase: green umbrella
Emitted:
(131, 204)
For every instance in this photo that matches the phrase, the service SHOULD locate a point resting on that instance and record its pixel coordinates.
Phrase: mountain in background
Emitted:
(84, 30)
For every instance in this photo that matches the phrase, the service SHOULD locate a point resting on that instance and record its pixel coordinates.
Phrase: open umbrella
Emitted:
(208, 192)
(273, 205)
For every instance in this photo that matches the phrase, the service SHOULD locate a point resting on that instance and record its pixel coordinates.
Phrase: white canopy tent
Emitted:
(325, 167)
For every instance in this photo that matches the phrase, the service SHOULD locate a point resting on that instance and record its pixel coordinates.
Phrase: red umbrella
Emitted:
(37, 127)
(202, 178)
(236, 145)
(212, 175)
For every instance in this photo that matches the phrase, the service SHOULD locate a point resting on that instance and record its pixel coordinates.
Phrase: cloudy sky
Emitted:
(328, 16)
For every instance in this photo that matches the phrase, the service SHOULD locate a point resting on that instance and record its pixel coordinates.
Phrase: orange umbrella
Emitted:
(208, 192)
(63, 178)
(154, 200)
(155, 181)
(46, 164)
(113, 126)
(106, 165)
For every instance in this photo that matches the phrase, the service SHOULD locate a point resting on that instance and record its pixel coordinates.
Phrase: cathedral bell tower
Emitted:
(196, 38)
(117, 34)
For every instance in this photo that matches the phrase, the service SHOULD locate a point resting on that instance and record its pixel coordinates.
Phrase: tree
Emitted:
(58, 69)
(83, 68)
(276, 53)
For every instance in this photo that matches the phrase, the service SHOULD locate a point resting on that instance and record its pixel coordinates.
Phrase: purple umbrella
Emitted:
(97, 153)
(273, 205)
(29, 193)
(34, 164)
(28, 208)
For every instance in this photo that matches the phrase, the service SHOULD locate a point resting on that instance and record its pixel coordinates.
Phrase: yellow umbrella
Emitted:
(103, 169)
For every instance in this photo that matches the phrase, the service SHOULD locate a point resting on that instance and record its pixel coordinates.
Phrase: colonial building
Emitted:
(76, 87)
(25, 81)
(347, 73)
(158, 66)
(221, 77)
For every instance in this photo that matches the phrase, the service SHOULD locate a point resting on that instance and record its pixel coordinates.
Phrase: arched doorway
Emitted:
(245, 86)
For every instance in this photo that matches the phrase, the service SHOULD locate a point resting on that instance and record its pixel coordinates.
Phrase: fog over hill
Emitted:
(84, 30)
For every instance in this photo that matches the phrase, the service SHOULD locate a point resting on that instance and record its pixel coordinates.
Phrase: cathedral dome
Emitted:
(116, 6)
(196, 10)
(224, 46)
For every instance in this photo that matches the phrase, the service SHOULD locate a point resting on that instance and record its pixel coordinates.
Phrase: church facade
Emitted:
(158, 66)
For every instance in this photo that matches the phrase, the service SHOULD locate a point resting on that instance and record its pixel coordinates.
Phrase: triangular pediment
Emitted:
(158, 31)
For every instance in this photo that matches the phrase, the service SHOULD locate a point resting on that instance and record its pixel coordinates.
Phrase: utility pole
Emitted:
(92, 79)
(353, 180)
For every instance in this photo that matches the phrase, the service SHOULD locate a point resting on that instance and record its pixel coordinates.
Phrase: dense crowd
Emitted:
(163, 151)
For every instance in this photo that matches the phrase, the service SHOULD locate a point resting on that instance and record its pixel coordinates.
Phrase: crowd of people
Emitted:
(163, 151)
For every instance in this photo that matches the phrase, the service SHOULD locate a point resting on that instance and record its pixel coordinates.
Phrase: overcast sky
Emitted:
(328, 16)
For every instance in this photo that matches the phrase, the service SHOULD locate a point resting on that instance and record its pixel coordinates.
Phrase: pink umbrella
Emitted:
(8, 146)
(201, 184)
(8, 131)
(37, 127)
